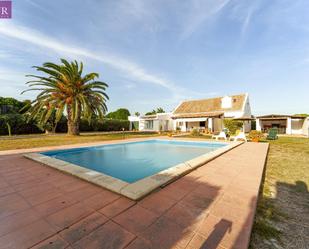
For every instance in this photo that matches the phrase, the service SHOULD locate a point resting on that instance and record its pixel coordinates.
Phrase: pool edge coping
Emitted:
(140, 188)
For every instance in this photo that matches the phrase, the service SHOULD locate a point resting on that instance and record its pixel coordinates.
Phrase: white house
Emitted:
(201, 114)
(155, 122)
(209, 113)
(286, 124)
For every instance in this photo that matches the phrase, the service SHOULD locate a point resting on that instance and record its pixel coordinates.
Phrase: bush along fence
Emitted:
(16, 124)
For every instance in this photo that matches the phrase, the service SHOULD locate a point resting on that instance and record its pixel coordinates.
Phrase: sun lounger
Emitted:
(240, 136)
(221, 135)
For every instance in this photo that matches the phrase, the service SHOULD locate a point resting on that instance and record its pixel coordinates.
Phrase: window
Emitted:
(202, 123)
(149, 124)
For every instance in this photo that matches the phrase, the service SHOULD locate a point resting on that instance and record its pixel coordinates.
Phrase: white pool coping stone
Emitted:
(140, 188)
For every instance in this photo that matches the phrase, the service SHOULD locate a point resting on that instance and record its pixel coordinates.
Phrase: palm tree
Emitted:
(65, 89)
(160, 110)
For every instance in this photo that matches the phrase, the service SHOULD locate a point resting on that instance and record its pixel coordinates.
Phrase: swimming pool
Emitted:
(133, 169)
(133, 161)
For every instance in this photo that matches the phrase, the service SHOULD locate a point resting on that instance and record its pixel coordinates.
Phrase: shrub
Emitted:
(120, 114)
(232, 125)
(256, 135)
(195, 132)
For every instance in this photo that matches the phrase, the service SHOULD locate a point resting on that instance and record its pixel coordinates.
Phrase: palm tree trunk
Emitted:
(73, 125)
(73, 128)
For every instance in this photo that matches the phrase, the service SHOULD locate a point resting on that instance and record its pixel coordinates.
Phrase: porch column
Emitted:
(210, 124)
(258, 125)
(130, 128)
(174, 124)
(184, 126)
(289, 126)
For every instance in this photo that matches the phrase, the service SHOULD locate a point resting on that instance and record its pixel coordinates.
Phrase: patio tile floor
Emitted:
(211, 207)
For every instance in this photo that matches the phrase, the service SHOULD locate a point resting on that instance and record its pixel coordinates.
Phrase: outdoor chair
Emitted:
(221, 135)
(272, 134)
(240, 136)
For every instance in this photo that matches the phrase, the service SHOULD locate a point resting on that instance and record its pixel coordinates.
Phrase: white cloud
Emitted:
(128, 67)
(201, 11)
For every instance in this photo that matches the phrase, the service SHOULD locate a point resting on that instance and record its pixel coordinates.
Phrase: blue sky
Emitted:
(157, 53)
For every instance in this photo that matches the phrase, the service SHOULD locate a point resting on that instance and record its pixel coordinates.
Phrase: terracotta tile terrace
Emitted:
(211, 207)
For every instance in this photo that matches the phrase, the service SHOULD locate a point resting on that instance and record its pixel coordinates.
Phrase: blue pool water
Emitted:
(134, 160)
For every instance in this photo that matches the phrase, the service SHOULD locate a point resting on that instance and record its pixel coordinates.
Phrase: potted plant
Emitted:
(255, 136)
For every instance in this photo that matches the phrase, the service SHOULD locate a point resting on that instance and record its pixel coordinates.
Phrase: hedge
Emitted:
(20, 126)
(104, 125)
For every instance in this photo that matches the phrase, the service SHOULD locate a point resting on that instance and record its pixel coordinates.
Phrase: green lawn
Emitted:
(282, 219)
(34, 141)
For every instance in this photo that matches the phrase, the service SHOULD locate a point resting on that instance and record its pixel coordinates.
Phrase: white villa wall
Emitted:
(305, 128)
(247, 108)
(236, 114)
(141, 125)
(289, 126)
(245, 112)
(297, 126)
(163, 119)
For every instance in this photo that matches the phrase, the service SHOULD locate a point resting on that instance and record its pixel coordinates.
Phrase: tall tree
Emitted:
(120, 114)
(64, 88)
(160, 110)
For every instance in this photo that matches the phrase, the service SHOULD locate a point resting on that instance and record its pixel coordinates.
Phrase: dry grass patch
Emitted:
(26, 142)
(282, 219)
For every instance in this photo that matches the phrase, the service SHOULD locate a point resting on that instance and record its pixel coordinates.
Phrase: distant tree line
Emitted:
(14, 120)
(158, 110)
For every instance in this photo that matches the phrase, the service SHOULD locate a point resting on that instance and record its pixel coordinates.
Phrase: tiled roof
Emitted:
(198, 115)
(210, 105)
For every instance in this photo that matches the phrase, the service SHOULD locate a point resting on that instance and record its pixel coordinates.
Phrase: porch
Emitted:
(286, 124)
(204, 123)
